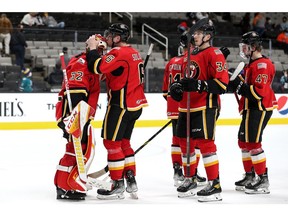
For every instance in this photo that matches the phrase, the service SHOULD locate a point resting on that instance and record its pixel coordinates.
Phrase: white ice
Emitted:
(28, 162)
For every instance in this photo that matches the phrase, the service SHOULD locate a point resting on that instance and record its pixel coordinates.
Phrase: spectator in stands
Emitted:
(67, 58)
(259, 23)
(182, 27)
(5, 34)
(29, 19)
(282, 40)
(284, 82)
(56, 77)
(269, 29)
(18, 45)
(51, 22)
(284, 24)
(26, 82)
(245, 23)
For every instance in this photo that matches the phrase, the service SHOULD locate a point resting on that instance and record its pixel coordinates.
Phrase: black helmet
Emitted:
(207, 29)
(184, 39)
(251, 38)
(118, 29)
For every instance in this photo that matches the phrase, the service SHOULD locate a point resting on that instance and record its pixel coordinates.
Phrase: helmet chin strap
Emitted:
(203, 41)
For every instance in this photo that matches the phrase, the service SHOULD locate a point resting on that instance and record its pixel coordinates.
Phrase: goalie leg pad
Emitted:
(67, 176)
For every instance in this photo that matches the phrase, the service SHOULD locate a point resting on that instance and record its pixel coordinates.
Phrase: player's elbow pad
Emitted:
(216, 87)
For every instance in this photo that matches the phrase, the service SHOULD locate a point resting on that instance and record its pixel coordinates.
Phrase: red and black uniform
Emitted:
(123, 69)
(83, 85)
(256, 105)
(173, 73)
(208, 65)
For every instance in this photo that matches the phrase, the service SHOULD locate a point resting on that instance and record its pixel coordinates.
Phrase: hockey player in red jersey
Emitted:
(83, 86)
(205, 80)
(256, 106)
(173, 73)
(123, 69)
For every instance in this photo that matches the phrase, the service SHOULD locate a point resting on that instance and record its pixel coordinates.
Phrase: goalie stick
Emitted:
(105, 170)
(237, 71)
(194, 28)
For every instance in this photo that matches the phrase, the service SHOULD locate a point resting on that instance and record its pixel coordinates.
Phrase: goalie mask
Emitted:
(118, 29)
(249, 41)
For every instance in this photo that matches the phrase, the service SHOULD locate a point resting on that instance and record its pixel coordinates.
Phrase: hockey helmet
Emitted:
(251, 38)
(118, 29)
(207, 28)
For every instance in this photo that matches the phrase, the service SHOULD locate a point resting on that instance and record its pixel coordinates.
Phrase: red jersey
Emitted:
(83, 85)
(172, 73)
(207, 65)
(123, 69)
(259, 75)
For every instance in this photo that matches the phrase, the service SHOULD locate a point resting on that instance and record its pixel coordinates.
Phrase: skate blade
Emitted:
(111, 197)
(211, 198)
(186, 194)
(258, 191)
(133, 195)
(240, 188)
(64, 197)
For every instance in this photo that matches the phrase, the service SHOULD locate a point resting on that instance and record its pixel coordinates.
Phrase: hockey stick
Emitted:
(105, 170)
(194, 28)
(148, 55)
(237, 71)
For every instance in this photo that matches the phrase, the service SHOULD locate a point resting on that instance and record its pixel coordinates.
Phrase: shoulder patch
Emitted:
(81, 61)
(109, 58)
(217, 51)
(261, 65)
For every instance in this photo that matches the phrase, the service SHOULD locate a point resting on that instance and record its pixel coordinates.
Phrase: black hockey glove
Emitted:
(236, 85)
(62, 126)
(176, 91)
(190, 84)
(225, 51)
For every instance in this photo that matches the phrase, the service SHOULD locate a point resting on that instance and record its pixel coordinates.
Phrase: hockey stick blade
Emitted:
(99, 183)
(237, 71)
(148, 55)
(105, 170)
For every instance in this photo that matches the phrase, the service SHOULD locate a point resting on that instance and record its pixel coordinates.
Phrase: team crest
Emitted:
(194, 70)
(109, 58)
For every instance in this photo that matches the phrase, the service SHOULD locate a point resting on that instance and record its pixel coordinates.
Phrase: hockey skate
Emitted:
(248, 178)
(199, 179)
(69, 195)
(185, 190)
(178, 175)
(260, 186)
(131, 184)
(211, 192)
(117, 191)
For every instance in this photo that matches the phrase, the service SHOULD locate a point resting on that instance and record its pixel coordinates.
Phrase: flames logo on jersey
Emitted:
(194, 70)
